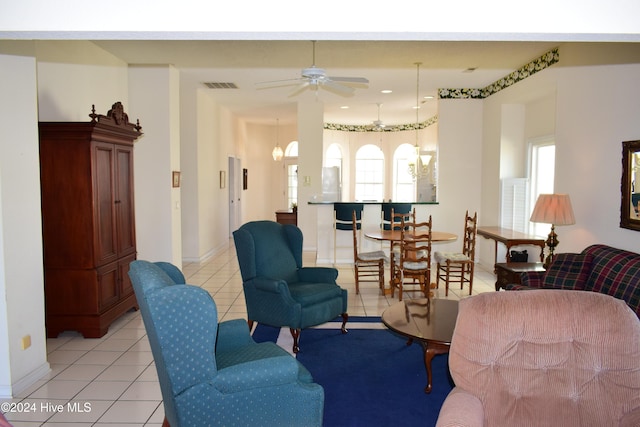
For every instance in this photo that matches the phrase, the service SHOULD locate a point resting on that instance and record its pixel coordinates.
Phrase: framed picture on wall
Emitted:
(223, 179)
(175, 179)
(245, 177)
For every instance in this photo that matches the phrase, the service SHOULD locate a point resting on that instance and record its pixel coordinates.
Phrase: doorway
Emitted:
(235, 188)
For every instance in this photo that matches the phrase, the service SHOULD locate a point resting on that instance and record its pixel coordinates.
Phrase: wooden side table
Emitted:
(287, 217)
(509, 272)
(511, 238)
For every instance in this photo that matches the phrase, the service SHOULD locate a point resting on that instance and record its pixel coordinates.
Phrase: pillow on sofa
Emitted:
(568, 271)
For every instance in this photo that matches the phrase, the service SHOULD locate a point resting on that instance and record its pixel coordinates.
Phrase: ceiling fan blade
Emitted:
(277, 83)
(350, 79)
(332, 86)
(300, 88)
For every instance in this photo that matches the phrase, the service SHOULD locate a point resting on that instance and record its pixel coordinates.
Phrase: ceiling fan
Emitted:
(377, 125)
(314, 77)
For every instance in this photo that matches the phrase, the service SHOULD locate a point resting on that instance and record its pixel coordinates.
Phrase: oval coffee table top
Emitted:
(418, 319)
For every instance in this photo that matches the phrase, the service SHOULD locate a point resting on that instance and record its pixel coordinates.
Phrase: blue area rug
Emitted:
(370, 376)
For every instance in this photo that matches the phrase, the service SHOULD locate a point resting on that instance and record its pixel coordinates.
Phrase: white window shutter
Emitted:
(514, 204)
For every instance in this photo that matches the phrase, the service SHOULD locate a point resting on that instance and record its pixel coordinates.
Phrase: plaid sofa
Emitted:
(598, 268)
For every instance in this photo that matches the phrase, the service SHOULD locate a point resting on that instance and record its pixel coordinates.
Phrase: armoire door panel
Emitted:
(126, 234)
(105, 209)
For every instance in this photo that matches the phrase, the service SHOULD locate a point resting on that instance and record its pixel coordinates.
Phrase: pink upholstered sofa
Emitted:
(544, 358)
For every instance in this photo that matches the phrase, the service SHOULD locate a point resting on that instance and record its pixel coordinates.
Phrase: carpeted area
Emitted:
(370, 376)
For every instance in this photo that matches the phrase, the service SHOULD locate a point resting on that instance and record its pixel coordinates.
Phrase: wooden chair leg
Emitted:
(295, 333)
(446, 280)
(345, 318)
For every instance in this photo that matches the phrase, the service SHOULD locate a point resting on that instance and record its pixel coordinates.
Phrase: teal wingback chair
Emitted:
(278, 290)
(215, 374)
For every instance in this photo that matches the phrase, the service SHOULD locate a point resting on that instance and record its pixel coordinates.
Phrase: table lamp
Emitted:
(554, 209)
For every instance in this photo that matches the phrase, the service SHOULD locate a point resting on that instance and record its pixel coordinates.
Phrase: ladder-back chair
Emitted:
(459, 266)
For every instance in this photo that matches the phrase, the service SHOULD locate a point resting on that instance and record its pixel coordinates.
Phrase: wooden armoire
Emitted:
(86, 174)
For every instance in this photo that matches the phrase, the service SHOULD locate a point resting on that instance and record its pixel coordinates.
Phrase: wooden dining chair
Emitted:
(368, 266)
(396, 222)
(414, 260)
(459, 266)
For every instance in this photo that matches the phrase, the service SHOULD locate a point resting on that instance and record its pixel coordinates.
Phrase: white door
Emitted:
(235, 190)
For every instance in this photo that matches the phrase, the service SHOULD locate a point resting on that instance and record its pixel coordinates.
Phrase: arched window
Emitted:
(369, 182)
(404, 186)
(292, 149)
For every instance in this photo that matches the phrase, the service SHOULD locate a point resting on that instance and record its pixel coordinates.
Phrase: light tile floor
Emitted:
(112, 381)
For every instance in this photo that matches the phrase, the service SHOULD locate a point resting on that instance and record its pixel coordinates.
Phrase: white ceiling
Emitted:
(387, 65)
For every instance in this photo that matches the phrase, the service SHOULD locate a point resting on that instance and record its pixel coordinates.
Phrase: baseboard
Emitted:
(207, 256)
(25, 382)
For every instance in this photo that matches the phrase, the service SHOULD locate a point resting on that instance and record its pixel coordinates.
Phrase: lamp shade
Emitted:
(553, 209)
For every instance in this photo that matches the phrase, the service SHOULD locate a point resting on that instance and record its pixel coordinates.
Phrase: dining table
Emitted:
(394, 236)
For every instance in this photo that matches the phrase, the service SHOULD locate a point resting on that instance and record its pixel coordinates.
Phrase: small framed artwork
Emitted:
(223, 179)
(175, 179)
(245, 179)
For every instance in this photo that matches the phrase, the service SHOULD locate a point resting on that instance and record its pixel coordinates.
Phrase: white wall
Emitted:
(154, 94)
(21, 274)
(598, 108)
(73, 76)
(460, 164)
(209, 134)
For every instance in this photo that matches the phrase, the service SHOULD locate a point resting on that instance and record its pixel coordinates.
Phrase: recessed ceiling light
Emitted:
(386, 91)
(429, 97)
(345, 107)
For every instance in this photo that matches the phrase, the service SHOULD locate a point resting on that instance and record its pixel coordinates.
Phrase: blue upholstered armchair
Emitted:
(278, 290)
(215, 374)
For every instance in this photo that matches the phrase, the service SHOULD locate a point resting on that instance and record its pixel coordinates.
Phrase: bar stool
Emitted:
(343, 221)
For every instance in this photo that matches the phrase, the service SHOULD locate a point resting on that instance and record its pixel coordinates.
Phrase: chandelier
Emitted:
(277, 152)
(418, 164)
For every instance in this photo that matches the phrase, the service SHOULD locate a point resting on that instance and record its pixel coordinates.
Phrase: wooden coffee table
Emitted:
(430, 322)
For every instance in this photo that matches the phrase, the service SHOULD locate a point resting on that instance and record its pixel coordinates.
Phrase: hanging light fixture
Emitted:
(277, 152)
(418, 164)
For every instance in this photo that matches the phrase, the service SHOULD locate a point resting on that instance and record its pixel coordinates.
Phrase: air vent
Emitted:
(220, 85)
